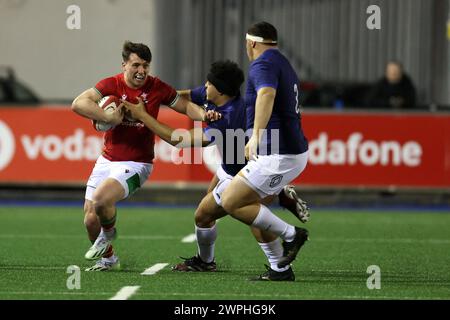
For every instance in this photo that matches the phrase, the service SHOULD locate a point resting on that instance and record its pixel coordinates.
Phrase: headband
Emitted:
(258, 39)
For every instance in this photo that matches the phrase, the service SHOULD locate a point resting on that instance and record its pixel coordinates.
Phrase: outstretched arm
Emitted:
(193, 138)
(185, 94)
(192, 110)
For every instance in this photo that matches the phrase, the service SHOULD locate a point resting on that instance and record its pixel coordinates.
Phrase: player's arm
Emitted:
(263, 111)
(86, 106)
(193, 111)
(186, 94)
(192, 138)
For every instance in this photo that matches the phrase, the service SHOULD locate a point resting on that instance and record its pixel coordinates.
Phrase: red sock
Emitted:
(109, 253)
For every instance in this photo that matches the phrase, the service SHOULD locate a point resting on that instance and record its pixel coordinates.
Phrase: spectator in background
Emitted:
(394, 91)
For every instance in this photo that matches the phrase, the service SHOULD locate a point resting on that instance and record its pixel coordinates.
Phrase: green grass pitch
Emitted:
(411, 249)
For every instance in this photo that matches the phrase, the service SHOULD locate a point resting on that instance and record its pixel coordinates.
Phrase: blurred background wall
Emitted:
(59, 63)
(325, 39)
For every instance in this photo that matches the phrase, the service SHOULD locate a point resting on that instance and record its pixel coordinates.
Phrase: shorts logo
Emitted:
(276, 179)
(7, 145)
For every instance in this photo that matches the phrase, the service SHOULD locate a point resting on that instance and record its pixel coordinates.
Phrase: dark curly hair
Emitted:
(226, 76)
(140, 49)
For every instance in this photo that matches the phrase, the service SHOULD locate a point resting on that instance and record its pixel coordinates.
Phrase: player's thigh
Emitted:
(130, 175)
(238, 194)
(124, 178)
(208, 211)
(99, 173)
(108, 192)
(267, 201)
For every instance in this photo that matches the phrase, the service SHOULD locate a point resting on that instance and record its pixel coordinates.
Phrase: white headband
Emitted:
(258, 39)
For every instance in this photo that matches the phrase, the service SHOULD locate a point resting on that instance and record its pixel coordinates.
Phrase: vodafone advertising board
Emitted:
(52, 144)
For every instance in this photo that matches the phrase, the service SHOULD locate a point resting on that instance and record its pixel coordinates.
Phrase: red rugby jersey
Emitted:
(131, 140)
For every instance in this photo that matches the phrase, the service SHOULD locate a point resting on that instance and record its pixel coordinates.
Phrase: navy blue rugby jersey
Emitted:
(284, 133)
(231, 125)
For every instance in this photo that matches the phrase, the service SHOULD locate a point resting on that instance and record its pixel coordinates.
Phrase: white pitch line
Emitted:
(154, 269)
(125, 293)
(189, 238)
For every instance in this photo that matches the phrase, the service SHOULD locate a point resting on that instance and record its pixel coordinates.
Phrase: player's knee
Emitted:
(100, 203)
(229, 203)
(91, 221)
(89, 212)
(202, 219)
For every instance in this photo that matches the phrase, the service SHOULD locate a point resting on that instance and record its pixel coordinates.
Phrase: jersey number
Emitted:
(297, 106)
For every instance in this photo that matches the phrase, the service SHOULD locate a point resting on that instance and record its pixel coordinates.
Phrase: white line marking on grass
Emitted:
(125, 293)
(189, 238)
(154, 269)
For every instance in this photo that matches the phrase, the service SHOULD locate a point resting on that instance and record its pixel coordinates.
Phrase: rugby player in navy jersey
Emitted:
(220, 94)
(277, 150)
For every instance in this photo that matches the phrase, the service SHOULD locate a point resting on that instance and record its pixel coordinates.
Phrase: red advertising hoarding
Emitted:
(54, 145)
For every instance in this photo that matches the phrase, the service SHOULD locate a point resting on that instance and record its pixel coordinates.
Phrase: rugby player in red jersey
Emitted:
(127, 156)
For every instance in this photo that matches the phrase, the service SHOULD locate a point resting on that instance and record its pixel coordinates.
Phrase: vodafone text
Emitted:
(355, 149)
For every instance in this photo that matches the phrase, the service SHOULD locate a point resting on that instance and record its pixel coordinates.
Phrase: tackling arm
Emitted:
(193, 138)
(186, 94)
(190, 109)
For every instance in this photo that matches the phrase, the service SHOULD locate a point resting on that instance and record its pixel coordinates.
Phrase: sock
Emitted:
(266, 220)
(206, 238)
(111, 259)
(109, 253)
(108, 230)
(273, 251)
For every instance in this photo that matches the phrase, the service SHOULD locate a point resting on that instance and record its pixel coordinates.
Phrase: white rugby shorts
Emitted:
(224, 181)
(131, 175)
(269, 174)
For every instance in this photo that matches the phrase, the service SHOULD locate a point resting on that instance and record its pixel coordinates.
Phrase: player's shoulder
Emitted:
(107, 86)
(156, 82)
(112, 79)
(265, 62)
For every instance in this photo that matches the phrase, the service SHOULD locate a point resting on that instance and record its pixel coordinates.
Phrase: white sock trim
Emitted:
(267, 221)
(206, 238)
(273, 251)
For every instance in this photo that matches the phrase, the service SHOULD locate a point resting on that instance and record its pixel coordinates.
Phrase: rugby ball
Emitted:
(108, 104)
